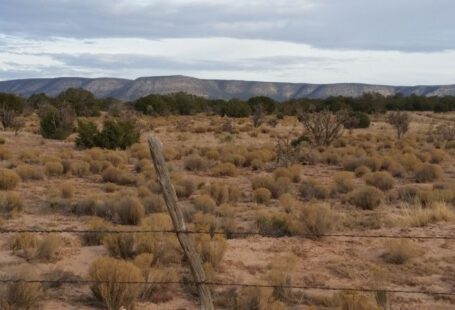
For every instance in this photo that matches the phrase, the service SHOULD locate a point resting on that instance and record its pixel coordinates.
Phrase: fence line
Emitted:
(211, 283)
(238, 233)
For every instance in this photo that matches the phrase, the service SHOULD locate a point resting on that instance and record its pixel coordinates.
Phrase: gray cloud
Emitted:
(409, 25)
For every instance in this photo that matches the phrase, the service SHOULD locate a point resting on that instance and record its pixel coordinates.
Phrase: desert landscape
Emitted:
(310, 223)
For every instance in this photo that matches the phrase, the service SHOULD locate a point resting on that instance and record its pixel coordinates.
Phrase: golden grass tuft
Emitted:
(8, 179)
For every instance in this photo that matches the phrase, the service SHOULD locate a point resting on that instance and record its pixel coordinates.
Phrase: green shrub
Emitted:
(366, 197)
(116, 134)
(107, 271)
(56, 123)
(8, 179)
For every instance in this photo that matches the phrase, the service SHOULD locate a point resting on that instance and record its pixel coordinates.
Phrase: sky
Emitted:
(392, 42)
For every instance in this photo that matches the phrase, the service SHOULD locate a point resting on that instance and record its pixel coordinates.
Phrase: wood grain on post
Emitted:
(179, 224)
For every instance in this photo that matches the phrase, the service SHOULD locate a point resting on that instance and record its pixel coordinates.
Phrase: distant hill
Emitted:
(214, 89)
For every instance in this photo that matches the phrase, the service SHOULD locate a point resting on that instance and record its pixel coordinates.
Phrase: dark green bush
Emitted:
(56, 123)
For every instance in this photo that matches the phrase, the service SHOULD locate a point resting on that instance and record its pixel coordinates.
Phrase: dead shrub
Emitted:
(262, 195)
(204, 203)
(5, 153)
(224, 170)
(343, 182)
(427, 173)
(399, 251)
(108, 272)
(223, 193)
(97, 228)
(22, 295)
(118, 176)
(382, 180)
(79, 168)
(317, 220)
(29, 172)
(120, 245)
(128, 210)
(310, 189)
(10, 202)
(8, 179)
(195, 163)
(211, 249)
(366, 197)
(54, 168)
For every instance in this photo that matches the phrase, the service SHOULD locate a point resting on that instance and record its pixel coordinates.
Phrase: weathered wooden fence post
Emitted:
(179, 224)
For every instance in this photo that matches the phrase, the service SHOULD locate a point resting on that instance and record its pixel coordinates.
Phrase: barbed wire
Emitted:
(211, 283)
(237, 233)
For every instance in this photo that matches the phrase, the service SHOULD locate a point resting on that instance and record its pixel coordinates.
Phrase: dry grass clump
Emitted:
(409, 161)
(118, 176)
(19, 294)
(5, 153)
(97, 226)
(139, 151)
(115, 295)
(437, 156)
(54, 168)
(382, 180)
(354, 300)
(352, 163)
(343, 182)
(310, 189)
(79, 168)
(224, 170)
(366, 197)
(29, 172)
(10, 202)
(48, 248)
(8, 179)
(361, 171)
(262, 195)
(277, 187)
(317, 219)
(30, 156)
(399, 251)
(128, 210)
(427, 173)
(223, 193)
(280, 275)
(259, 298)
(204, 203)
(66, 190)
(195, 163)
(437, 212)
(153, 203)
(211, 249)
(120, 245)
(409, 194)
(293, 173)
(23, 244)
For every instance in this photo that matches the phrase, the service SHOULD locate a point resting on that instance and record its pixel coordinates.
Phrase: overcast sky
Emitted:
(401, 42)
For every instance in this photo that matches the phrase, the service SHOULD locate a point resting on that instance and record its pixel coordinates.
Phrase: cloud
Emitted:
(406, 25)
(221, 58)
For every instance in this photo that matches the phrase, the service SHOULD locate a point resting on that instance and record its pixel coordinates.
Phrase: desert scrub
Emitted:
(128, 210)
(153, 203)
(29, 172)
(437, 212)
(97, 228)
(427, 173)
(118, 176)
(275, 225)
(48, 248)
(211, 249)
(409, 194)
(399, 251)
(30, 156)
(262, 195)
(184, 188)
(437, 156)
(23, 244)
(120, 245)
(223, 193)
(343, 182)
(280, 276)
(224, 170)
(66, 190)
(204, 203)
(5, 153)
(195, 163)
(259, 298)
(382, 180)
(317, 219)
(8, 179)
(79, 168)
(115, 295)
(310, 188)
(10, 202)
(366, 197)
(54, 168)
(293, 173)
(277, 187)
(21, 295)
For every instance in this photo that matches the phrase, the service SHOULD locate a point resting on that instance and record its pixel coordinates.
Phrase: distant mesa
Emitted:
(128, 90)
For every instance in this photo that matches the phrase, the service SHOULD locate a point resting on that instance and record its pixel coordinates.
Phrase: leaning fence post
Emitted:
(179, 224)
